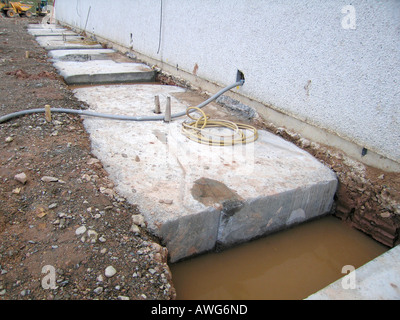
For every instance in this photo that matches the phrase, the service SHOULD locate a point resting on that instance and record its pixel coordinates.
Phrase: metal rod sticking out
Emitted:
(157, 108)
(167, 115)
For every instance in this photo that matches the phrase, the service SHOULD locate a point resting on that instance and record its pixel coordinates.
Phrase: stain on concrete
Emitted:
(160, 136)
(210, 192)
(307, 88)
(84, 57)
(230, 207)
(196, 67)
(296, 216)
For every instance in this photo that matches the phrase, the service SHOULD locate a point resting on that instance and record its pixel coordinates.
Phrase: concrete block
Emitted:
(80, 55)
(43, 26)
(197, 197)
(103, 71)
(268, 213)
(66, 42)
(51, 32)
(190, 234)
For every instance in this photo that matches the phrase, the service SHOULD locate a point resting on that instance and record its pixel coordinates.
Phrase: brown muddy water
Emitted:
(289, 265)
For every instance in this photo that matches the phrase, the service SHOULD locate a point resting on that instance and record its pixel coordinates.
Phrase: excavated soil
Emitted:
(51, 188)
(367, 198)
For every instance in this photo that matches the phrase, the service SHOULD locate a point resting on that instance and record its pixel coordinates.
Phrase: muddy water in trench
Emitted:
(291, 264)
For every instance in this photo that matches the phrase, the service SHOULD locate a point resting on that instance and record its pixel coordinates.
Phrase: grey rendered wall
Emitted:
(323, 62)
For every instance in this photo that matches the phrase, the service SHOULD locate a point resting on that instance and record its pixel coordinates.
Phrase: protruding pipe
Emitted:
(167, 116)
(47, 113)
(117, 117)
(157, 108)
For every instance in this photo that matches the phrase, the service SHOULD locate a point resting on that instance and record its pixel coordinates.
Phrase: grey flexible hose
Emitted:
(117, 117)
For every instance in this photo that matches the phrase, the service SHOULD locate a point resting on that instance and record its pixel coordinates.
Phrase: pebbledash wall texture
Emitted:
(329, 65)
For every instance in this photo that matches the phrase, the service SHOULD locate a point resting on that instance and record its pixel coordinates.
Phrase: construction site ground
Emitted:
(39, 217)
(51, 186)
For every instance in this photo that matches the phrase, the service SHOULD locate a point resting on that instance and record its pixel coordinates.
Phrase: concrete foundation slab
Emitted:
(43, 26)
(103, 71)
(51, 32)
(378, 279)
(66, 42)
(197, 197)
(80, 55)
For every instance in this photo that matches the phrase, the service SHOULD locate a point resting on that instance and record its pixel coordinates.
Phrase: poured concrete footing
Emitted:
(196, 197)
(80, 55)
(66, 42)
(80, 61)
(51, 32)
(46, 26)
(103, 71)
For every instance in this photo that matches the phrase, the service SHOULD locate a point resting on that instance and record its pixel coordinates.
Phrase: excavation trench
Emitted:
(291, 264)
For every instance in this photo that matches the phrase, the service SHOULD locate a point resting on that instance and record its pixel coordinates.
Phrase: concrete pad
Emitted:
(196, 197)
(43, 26)
(51, 32)
(378, 279)
(103, 71)
(81, 54)
(66, 42)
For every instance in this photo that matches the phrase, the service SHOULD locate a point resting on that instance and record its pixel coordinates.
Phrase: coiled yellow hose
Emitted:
(196, 130)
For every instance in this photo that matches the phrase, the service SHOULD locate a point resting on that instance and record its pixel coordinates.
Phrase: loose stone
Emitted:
(49, 179)
(21, 177)
(80, 230)
(152, 271)
(98, 290)
(92, 236)
(138, 219)
(135, 229)
(93, 161)
(107, 191)
(110, 271)
(53, 205)
(25, 292)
